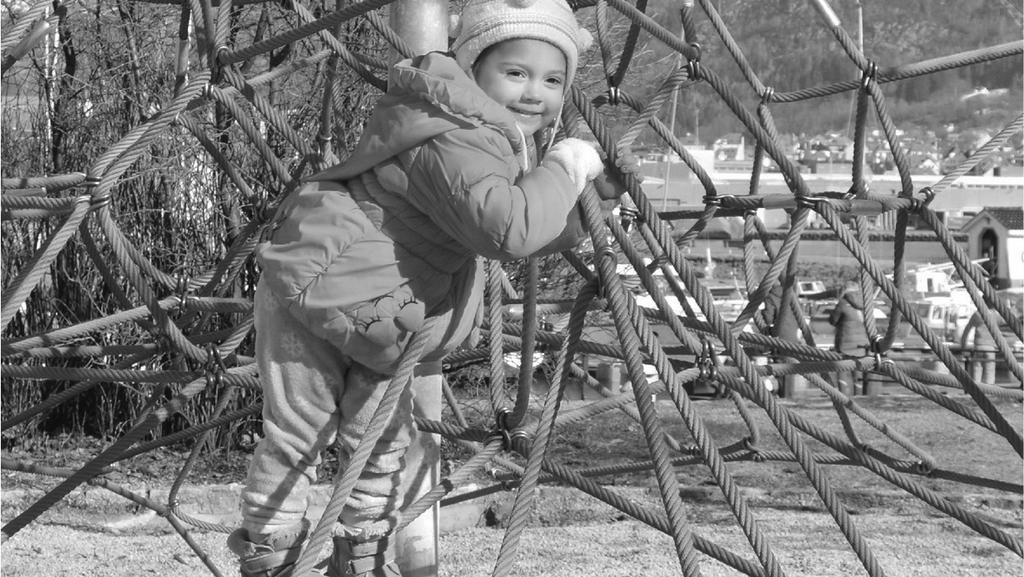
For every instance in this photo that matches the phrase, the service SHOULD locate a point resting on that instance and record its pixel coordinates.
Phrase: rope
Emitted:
(720, 351)
(349, 475)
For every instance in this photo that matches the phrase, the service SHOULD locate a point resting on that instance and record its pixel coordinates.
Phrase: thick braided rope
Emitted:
(226, 57)
(529, 345)
(349, 476)
(905, 71)
(653, 432)
(523, 505)
(162, 322)
(27, 20)
(58, 398)
(940, 348)
(343, 52)
(109, 455)
(652, 518)
(869, 461)
(986, 149)
(761, 396)
(706, 445)
(55, 183)
(499, 398)
(249, 129)
(35, 269)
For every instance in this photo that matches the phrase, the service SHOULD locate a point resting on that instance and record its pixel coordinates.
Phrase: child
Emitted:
(445, 172)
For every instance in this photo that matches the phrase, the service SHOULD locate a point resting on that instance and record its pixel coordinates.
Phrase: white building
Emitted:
(997, 233)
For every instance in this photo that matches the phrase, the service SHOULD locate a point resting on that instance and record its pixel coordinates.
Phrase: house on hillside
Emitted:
(997, 233)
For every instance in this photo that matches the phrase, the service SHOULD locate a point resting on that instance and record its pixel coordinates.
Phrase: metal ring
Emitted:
(501, 418)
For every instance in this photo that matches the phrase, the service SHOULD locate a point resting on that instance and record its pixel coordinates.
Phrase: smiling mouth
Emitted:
(524, 112)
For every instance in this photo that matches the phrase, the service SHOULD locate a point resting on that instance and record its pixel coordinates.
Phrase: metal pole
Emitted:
(423, 25)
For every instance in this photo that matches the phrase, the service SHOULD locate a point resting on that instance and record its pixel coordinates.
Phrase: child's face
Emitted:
(527, 76)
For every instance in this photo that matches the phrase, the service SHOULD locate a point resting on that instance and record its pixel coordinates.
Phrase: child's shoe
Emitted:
(366, 559)
(271, 555)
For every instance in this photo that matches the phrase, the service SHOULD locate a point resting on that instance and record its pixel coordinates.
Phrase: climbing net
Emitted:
(171, 309)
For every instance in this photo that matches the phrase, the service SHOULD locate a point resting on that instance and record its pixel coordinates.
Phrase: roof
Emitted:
(1010, 217)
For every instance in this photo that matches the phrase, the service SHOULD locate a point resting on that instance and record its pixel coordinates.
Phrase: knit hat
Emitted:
(486, 22)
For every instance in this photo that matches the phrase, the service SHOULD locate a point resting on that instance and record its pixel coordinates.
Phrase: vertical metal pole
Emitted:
(423, 25)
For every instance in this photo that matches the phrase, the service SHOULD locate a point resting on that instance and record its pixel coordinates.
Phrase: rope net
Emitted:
(175, 309)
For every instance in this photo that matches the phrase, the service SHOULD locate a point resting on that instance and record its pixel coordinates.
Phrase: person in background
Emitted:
(980, 347)
(851, 338)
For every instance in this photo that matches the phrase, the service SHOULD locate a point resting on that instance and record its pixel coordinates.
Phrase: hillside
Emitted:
(788, 46)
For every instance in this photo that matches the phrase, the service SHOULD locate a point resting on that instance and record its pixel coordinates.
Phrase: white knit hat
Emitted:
(487, 22)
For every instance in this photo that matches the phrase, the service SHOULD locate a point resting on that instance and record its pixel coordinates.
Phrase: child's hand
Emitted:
(578, 158)
(611, 188)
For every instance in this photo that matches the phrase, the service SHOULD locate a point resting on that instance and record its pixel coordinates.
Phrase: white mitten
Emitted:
(578, 158)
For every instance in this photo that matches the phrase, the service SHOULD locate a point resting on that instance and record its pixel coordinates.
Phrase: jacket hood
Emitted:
(427, 95)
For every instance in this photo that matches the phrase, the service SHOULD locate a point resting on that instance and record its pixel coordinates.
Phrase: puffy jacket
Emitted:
(364, 250)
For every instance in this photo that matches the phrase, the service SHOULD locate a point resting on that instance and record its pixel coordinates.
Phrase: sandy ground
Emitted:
(573, 535)
(908, 544)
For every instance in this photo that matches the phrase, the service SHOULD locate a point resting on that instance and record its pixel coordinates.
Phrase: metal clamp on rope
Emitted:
(881, 356)
(917, 204)
(754, 450)
(693, 64)
(500, 430)
(767, 94)
(705, 364)
(613, 92)
(214, 367)
(924, 467)
(323, 143)
(811, 202)
(97, 200)
(182, 281)
(869, 74)
(627, 216)
(520, 435)
(712, 200)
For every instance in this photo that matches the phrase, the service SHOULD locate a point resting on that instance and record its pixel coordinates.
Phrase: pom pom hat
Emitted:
(487, 22)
